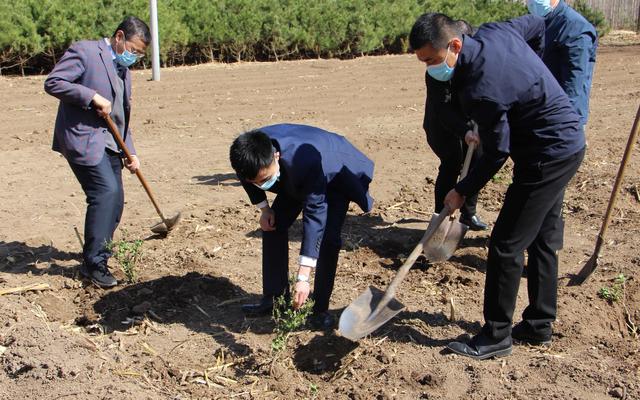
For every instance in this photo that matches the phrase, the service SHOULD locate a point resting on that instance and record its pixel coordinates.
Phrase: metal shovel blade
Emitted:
(357, 320)
(167, 225)
(585, 272)
(445, 239)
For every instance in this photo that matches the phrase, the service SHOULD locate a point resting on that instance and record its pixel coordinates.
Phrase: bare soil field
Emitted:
(178, 333)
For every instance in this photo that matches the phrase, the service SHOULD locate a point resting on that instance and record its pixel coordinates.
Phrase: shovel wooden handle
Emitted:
(433, 225)
(116, 135)
(584, 274)
(467, 160)
(616, 186)
(465, 168)
(408, 263)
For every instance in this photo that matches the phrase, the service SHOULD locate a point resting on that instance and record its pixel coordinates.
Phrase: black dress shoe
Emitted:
(99, 275)
(322, 321)
(525, 333)
(481, 347)
(474, 223)
(263, 308)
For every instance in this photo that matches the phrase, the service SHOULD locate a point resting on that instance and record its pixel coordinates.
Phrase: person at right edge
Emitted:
(570, 50)
(522, 113)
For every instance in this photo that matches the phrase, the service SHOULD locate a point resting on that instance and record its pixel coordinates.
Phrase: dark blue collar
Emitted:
(468, 54)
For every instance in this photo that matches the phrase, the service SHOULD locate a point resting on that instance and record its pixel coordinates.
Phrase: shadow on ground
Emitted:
(39, 259)
(228, 179)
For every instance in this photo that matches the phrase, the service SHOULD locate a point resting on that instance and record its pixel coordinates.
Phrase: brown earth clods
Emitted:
(178, 333)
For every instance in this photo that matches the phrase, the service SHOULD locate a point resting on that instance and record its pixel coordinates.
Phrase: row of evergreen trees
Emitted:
(35, 33)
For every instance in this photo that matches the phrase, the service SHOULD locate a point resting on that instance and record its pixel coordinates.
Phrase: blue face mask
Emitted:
(269, 183)
(127, 58)
(441, 72)
(539, 7)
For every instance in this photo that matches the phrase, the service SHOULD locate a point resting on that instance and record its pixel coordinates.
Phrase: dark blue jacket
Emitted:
(521, 110)
(570, 53)
(84, 70)
(314, 162)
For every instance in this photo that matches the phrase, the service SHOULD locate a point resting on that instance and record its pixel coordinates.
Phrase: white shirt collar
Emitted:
(113, 53)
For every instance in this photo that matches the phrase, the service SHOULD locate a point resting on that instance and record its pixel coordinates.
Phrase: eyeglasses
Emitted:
(136, 53)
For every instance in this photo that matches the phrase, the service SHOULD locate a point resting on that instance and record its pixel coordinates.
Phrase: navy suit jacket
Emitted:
(314, 162)
(84, 70)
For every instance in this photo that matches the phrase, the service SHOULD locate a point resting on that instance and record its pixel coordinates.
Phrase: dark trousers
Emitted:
(102, 184)
(451, 151)
(530, 219)
(275, 249)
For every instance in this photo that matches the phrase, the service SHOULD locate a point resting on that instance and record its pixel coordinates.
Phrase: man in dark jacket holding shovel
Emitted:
(92, 79)
(445, 127)
(522, 113)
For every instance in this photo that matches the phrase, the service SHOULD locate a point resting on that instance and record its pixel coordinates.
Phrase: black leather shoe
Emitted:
(474, 223)
(322, 321)
(481, 347)
(525, 333)
(263, 308)
(99, 275)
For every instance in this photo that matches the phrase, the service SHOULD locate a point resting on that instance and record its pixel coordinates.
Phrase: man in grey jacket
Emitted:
(92, 80)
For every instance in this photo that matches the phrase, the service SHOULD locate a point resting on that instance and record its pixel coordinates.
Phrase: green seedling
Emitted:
(287, 320)
(501, 178)
(127, 254)
(613, 294)
(313, 389)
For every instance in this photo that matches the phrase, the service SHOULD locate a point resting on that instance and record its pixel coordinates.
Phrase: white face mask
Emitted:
(539, 7)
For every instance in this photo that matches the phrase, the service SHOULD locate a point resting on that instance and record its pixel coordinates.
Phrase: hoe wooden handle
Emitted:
(116, 135)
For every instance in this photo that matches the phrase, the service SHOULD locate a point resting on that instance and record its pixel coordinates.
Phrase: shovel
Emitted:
(592, 263)
(449, 233)
(167, 225)
(358, 319)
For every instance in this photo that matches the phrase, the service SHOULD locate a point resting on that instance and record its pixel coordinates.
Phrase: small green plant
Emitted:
(127, 253)
(501, 178)
(613, 294)
(287, 320)
(313, 389)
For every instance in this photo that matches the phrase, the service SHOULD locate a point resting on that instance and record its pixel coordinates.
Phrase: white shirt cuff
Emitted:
(262, 204)
(308, 261)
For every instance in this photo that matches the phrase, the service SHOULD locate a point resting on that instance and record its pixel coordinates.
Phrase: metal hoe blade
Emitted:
(167, 225)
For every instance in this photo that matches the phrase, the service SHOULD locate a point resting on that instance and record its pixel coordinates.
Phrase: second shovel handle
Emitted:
(116, 135)
(408, 263)
(616, 186)
(467, 161)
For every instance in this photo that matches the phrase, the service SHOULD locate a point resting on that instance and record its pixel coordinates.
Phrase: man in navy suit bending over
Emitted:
(311, 171)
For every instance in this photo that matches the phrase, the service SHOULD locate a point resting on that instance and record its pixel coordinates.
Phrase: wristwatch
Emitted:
(302, 278)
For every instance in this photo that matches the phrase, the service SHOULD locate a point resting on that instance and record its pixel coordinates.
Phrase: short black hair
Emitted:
(464, 28)
(251, 152)
(134, 27)
(435, 28)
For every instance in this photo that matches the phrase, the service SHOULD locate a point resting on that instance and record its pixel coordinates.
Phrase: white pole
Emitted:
(155, 41)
